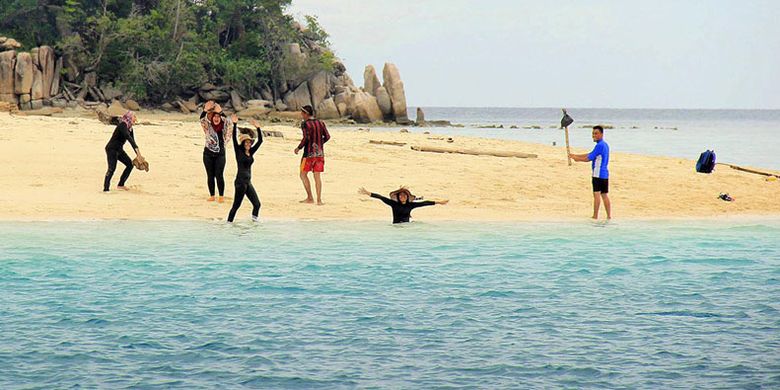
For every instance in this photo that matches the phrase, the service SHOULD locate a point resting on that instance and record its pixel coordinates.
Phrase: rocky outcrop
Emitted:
(236, 101)
(47, 64)
(298, 98)
(370, 80)
(23, 76)
(9, 43)
(383, 99)
(319, 88)
(395, 87)
(327, 110)
(7, 69)
(366, 109)
(420, 120)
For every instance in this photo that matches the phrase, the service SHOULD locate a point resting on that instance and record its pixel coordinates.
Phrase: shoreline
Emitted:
(53, 169)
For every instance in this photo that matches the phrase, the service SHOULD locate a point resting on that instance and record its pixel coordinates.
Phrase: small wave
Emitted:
(617, 271)
(695, 314)
(720, 261)
(496, 294)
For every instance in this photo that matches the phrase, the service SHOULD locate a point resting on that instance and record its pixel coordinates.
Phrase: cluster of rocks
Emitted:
(29, 79)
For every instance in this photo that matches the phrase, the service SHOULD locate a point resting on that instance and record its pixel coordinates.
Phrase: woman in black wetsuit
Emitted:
(217, 129)
(245, 151)
(115, 152)
(402, 202)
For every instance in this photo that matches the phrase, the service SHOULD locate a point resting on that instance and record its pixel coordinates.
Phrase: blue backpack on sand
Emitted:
(706, 162)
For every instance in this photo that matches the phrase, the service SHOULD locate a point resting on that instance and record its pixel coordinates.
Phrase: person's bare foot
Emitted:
(221, 199)
(594, 217)
(307, 201)
(123, 188)
(210, 199)
(319, 203)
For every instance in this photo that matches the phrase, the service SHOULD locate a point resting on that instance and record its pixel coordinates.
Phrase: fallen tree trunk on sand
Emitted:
(375, 142)
(473, 152)
(748, 170)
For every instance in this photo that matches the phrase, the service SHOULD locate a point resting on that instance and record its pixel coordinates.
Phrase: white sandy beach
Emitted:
(53, 168)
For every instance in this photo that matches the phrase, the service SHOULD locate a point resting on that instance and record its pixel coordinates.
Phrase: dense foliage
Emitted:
(157, 49)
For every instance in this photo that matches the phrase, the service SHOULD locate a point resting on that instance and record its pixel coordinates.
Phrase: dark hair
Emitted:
(599, 128)
(308, 109)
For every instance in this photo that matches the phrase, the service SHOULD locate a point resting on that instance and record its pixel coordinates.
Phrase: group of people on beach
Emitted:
(218, 129)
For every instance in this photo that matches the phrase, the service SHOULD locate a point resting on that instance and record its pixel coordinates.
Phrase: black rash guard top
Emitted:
(402, 211)
(120, 136)
(244, 162)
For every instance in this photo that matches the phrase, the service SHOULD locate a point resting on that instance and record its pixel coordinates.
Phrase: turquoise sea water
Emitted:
(368, 305)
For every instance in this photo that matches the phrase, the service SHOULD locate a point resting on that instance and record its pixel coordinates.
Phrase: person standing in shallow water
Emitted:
(217, 130)
(315, 135)
(245, 151)
(402, 202)
(599, 159)
(115, 150)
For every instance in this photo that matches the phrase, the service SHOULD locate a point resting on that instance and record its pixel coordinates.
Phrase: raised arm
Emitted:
(235, 140)
(259, 141)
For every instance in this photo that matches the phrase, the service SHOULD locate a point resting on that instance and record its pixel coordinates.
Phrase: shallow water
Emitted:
(369, 305)
(743, 137)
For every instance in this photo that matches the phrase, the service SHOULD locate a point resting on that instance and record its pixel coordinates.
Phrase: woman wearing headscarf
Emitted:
(402, 202)
(115, 151)
(217, 129)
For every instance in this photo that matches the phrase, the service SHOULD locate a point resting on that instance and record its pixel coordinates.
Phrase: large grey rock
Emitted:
(7, 62)
(319, 87)
(420, 117)
(280, 106)
(366, 108)
(110, 92)
(345, 99)
(55, 82)
(298, 98)
(235, 99)
(259, 103)
(216, 95)
(370, 80)
(383, 99)
(23, 74)
(254, 112)
(132, 105)
(266, 93)
(327, 110)
(37, 85)
(395, 87)
(9, 43)
(116, 109)
(47, 64)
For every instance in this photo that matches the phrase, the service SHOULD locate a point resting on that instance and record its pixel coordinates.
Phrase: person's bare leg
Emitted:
(607, 205)
(318, 186)
(596, 204)
(307, 187)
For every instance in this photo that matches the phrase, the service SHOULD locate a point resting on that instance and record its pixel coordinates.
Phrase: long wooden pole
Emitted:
(568, 149)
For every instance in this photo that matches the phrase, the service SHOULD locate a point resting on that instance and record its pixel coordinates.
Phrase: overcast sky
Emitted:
(621, 54)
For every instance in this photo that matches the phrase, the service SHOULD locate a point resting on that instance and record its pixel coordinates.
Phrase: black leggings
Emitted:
(241, 190)
(215, 169)
(112, 155)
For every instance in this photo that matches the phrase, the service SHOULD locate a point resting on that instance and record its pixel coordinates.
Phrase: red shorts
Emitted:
(313, 164)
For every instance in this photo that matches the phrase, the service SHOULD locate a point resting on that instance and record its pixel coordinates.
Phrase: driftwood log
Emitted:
(473, 152)
(748, 170)
(387, 143)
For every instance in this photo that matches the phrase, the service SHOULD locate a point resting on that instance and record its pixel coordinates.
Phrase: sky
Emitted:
(611, 54)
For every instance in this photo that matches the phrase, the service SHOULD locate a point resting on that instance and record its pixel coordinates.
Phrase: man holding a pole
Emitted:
(599, 159)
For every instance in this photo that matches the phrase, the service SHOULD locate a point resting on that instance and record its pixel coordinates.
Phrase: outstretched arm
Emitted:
(325, 134)
(579, 157)
(304, 140)
(385, 200)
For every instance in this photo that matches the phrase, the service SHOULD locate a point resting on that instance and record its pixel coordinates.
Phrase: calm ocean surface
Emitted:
(197, 305)
(744, 137)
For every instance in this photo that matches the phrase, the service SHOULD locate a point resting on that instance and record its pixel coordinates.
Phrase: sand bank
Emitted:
(52, 168)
